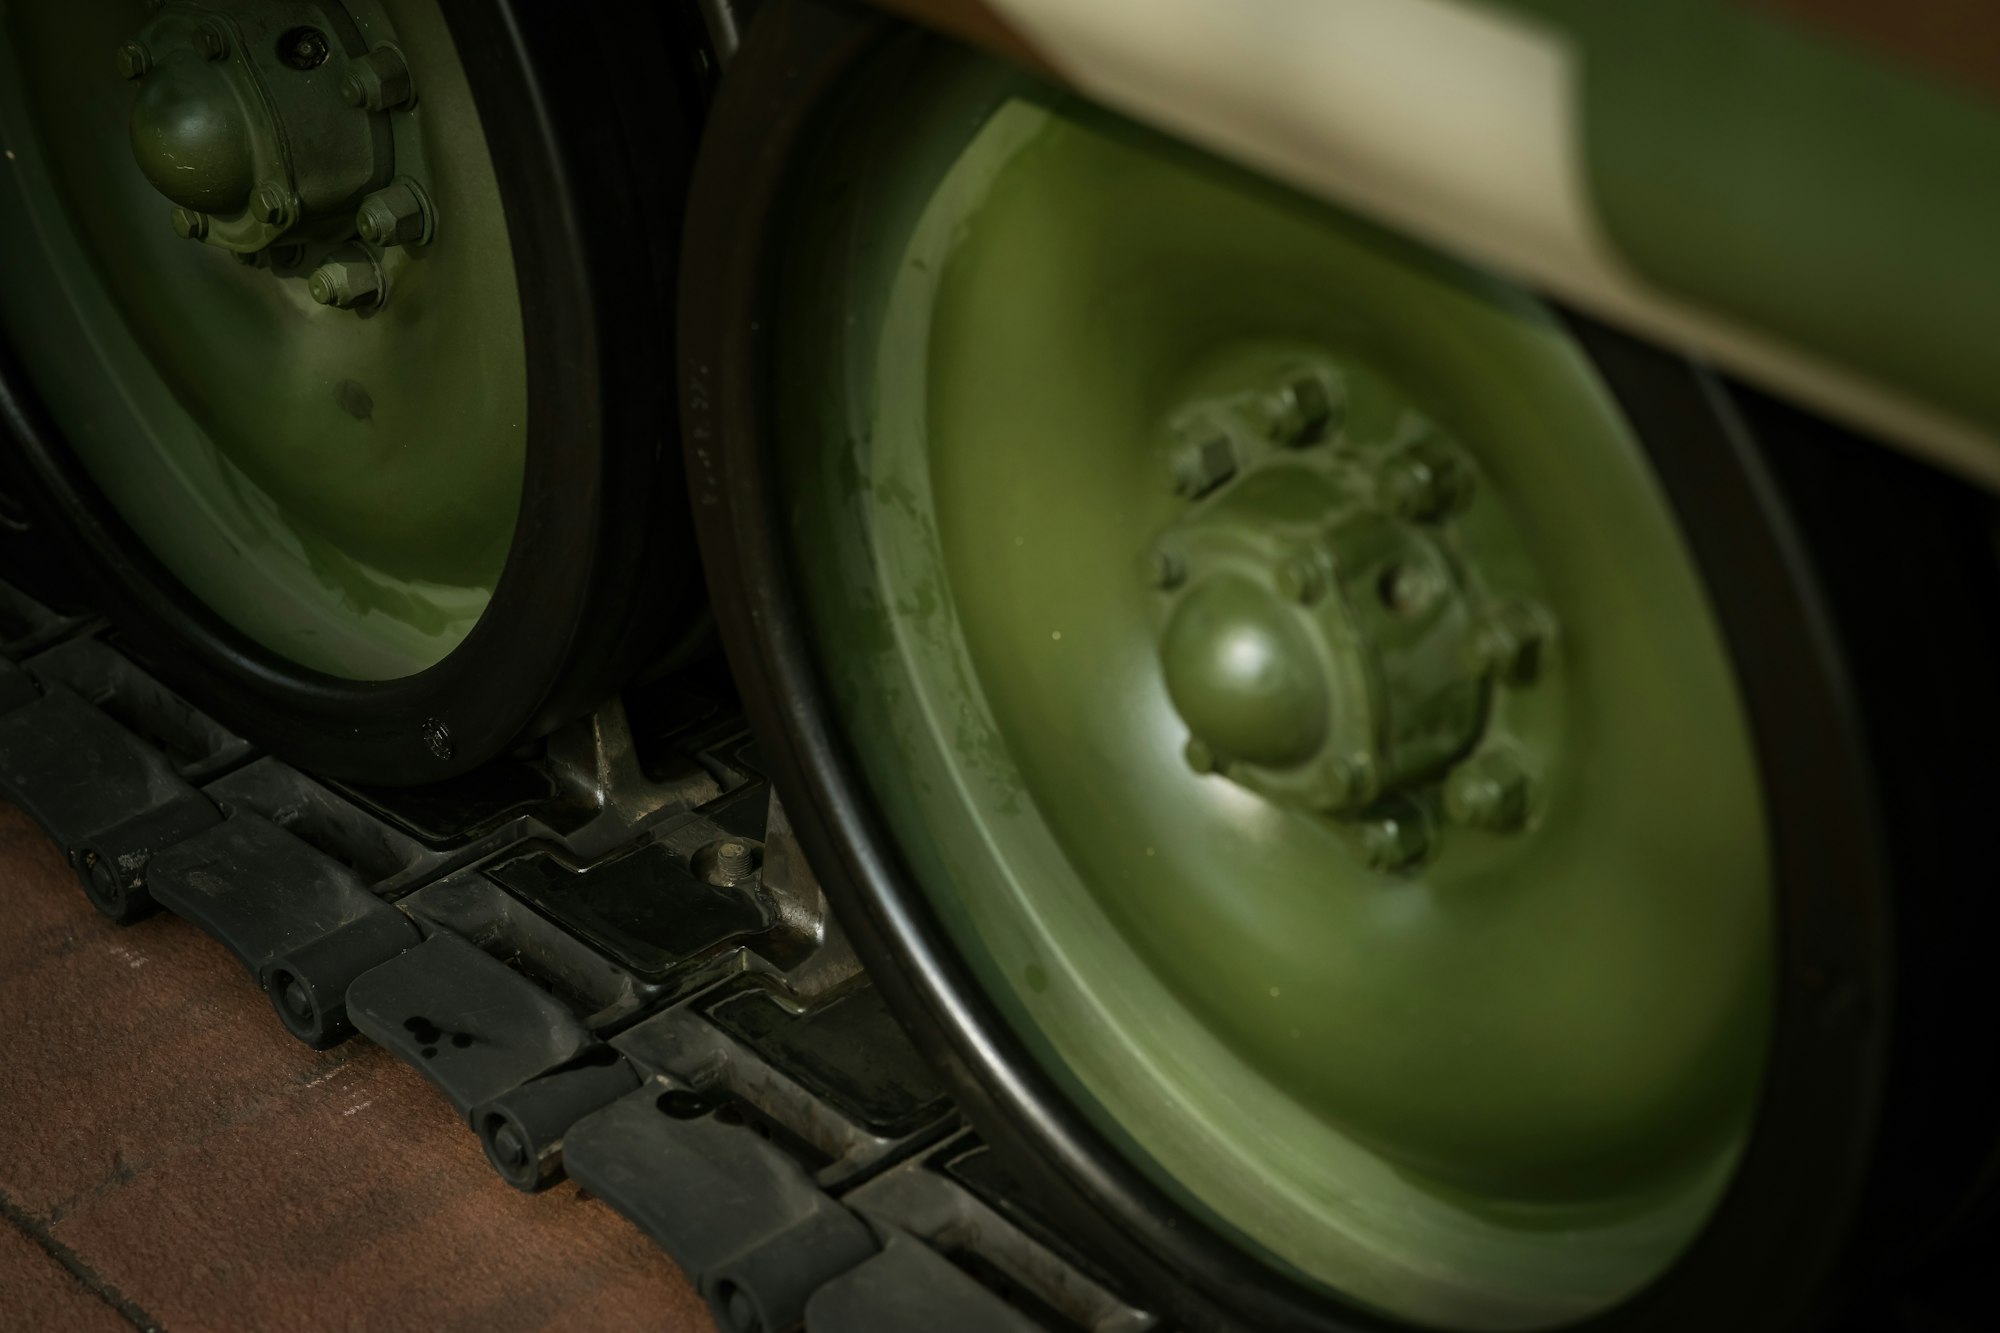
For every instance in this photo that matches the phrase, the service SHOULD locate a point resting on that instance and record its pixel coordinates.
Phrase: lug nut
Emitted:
(190, 225)
(1488, 791)
(393, 215)
(1300, 579)
(211, 41)
(274, 205)
(345, 283)
(1427, 481)
(1513, 641)
(1396, 840)
(1303, 411)
(377, 81)
(1199, 468)
(133, 60)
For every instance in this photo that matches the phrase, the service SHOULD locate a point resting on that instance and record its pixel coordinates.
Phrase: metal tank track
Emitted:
(608, 955)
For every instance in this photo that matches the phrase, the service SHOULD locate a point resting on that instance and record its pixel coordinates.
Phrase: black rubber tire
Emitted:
(591, 113)
(1786, 1250)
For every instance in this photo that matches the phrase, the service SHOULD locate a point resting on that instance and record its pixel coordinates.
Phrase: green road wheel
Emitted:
(1343, 761)
(340, 485)
(311, 315)
(1394, 1044)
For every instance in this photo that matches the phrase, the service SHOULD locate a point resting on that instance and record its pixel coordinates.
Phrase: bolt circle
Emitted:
(133, 60)
(190, 225)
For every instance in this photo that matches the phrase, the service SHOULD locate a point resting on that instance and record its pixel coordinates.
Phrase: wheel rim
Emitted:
(341, 485)
(964, 526)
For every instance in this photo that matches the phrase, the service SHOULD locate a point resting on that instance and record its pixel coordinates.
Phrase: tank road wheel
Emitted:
(1343, 762)
(335, 327)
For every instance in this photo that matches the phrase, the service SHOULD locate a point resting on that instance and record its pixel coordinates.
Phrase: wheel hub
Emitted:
(267, 123)
(1323, 639)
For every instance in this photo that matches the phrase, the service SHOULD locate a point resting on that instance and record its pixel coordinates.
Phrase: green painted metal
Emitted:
(1498, 1090)
(340, 485)
(1762, 167)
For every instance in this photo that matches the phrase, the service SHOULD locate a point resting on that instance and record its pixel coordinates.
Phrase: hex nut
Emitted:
(1200, 467)
(394, 215)
(1301, 579)
(377, 81)
(1397, 839)
(273, 205)
(190, 225)
(211, 41)
(1488, 791)
(133, 60)
(1303, 411)
(345, 284)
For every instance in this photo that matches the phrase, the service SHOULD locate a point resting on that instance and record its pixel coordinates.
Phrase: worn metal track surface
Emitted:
(608, 955)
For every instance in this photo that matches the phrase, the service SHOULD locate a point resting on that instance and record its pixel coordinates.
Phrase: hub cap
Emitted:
(1280, 669)
(324, 440)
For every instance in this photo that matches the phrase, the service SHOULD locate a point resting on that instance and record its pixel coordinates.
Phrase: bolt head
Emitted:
(1397, 840)
(345, 284)
(211, 42)
(393, 215)
(377, 81)
(1427, 481)
(1513, 641)
(132, 61)
(1200, 467)
(1303, 411)
(274, 205)
(190, 225)
(1488, 791)
(1301, 579)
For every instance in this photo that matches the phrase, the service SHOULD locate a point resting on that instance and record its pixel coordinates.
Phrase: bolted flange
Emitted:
(345, 284)
(1323, 640)
(241, 115)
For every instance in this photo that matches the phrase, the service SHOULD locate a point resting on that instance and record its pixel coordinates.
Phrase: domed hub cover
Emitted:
(246, 118)
(1325, 644)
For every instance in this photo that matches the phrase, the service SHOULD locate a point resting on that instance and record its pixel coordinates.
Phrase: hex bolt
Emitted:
(396, 214)
(190, 225)
(1167, 568)
(1348, 783)
(345, 283)
(211, 41)
(1303, 411)
(377, 81)
(133, 60)
(1427, 481)
(1488, 791)
(1301, 579)
(273, 205)
(1199, 757)
(1513, 641)
(1200, 467)
(1397, 839)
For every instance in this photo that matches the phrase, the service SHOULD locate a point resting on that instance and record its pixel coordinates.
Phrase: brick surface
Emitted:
(208, 1172)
